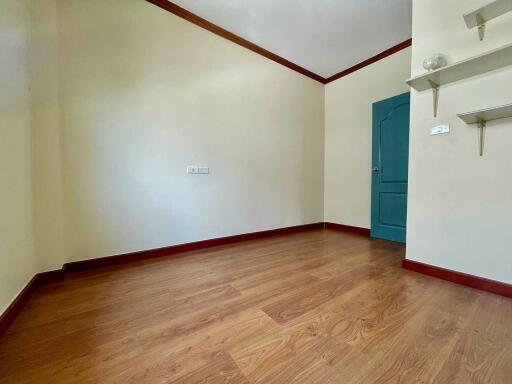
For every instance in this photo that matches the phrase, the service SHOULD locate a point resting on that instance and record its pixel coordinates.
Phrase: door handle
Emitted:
(375, 170)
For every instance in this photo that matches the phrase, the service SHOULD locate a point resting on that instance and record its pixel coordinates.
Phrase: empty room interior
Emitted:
(255, 192)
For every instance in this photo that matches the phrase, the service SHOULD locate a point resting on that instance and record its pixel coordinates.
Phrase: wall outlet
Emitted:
(440, 129)
(203, 170)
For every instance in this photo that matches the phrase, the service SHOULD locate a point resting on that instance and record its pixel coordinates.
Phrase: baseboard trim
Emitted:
(83, 265)
(348, 228)
(50, 276)
(461, 278)
(19, 302)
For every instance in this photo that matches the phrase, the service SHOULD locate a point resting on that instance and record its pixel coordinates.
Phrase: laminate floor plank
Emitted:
(288, 308)
(314, 307)
(483, 352)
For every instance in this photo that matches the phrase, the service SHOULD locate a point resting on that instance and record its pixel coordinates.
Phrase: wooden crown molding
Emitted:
(371, 60)
(199, 21)
(203, 23)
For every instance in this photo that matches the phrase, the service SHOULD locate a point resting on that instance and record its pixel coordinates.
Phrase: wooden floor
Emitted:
(313, 307)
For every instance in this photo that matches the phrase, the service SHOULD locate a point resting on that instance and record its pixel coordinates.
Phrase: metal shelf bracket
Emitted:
(481, 26)
(435, 95)
(481, 134)
(488, 12)
(483, 116)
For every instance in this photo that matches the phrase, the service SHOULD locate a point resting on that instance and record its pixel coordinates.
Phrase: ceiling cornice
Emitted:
(203, 23)
(371, 60)
(199, 21)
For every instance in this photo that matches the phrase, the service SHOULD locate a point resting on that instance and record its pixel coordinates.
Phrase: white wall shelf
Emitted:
(489, 61)
(481, 117)
(480, 16)
(476, 65)
(489, 114)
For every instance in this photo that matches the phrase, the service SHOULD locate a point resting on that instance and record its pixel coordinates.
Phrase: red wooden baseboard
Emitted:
(84, 265)
(472, 281)
(53, 276)
(50, 276)
(348, 228)
(12, 310)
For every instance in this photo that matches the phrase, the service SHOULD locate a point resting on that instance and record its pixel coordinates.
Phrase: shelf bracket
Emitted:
(481, 26)
(435, 95)
(483, 116)
(481, 127)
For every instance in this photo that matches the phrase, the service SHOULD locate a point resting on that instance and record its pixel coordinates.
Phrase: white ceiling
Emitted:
(324, 36)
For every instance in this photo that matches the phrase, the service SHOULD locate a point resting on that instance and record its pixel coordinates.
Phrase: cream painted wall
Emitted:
(348, 136)
(124, 96)
(46, 136)
(144, 94)
(460, 204)
(17, 263)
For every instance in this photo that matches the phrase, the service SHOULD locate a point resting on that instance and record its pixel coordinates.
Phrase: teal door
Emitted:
(390, 167)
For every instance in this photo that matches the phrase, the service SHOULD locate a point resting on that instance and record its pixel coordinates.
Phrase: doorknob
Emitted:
(375, 170)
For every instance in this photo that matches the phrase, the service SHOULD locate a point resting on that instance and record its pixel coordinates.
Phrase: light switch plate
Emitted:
(440, 129)
(196, 170)
(192, 169)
